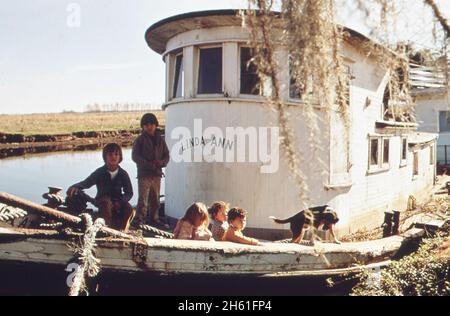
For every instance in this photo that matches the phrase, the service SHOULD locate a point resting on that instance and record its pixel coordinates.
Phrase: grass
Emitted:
(66, 123)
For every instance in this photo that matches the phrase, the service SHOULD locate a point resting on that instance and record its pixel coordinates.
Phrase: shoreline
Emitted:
(52, 132)
(78, 141)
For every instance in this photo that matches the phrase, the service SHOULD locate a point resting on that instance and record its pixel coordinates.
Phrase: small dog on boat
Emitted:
(324, 217)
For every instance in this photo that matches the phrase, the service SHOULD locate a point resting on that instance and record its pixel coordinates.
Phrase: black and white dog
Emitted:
(323, 217)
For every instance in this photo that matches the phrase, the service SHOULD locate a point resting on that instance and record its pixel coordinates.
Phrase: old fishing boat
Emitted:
(126, 252)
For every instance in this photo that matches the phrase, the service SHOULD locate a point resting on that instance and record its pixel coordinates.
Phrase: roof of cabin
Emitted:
(161, 32)
(422, 137)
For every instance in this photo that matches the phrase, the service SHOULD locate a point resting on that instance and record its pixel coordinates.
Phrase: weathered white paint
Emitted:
(359, 197)
(429, 102)
(202, 257)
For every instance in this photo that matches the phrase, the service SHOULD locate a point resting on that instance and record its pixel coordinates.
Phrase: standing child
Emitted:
(237, 218)
(114, 190)
(193, 226)
(150, 153)
(218, 212)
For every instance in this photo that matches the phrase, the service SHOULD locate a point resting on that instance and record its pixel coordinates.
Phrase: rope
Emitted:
(51, 225)
(155, 232)
(9, 213)
(85, 253)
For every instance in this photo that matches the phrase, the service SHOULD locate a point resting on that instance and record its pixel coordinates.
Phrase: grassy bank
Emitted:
(66, 123)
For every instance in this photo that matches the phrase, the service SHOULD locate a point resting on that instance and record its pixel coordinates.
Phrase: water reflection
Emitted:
(29, 176)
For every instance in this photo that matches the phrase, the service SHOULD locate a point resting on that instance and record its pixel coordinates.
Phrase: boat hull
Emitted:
(167, 256)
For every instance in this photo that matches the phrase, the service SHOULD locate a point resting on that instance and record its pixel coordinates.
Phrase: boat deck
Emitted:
(168, 256)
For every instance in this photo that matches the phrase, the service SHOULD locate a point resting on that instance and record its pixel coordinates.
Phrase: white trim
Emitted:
(201, 43)
(261, 100)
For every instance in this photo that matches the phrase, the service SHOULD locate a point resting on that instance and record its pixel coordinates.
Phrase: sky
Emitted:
(58, 55)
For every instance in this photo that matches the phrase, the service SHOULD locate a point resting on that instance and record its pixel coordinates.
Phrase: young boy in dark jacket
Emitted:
(150, 153)
(114, 189)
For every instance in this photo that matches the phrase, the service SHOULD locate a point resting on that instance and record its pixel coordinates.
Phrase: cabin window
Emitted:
(339, 152)
(178, 82)
(416, 164)
(295, 93)
(404, 151)
(432, 158)
(348, 77)
(386, 99)
(374, 152)
(250, 83)
(210, 71)
(444, 121)
(294, 90)
(386, 143)
(379, 151)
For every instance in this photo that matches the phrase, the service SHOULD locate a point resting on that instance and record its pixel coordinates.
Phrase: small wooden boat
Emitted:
(127, 253)
(168, 256)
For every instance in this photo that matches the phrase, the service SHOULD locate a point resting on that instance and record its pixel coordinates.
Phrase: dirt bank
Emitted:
(15, 145)
(11, 140)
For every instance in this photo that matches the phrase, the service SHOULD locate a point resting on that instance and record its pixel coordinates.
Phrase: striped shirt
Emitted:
(218, 229)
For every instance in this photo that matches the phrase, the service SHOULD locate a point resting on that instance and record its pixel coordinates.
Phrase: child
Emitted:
(193, 226)
(218, 212)
(150, 153)
(237, 220)
(114, 189)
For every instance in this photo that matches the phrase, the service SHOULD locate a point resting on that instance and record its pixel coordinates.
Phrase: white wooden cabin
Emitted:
(385, 162)
(432, 96)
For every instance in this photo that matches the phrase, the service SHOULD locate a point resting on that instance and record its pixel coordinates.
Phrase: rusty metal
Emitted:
(140, 253)
(387, 225)
(53, 198)
(15, 201)
(396, 227)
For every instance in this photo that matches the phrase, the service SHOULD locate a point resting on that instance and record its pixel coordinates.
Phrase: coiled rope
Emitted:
(89, 265)
(9, 213)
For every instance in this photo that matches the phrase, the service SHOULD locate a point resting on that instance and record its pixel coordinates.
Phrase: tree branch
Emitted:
(442, 20)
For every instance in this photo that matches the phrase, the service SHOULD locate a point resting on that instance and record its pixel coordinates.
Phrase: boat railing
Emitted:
(426, 77)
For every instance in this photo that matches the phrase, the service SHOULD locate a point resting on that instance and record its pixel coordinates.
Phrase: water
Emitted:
(29, 176)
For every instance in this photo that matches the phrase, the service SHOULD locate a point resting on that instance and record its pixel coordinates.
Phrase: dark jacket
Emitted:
(119, 188)
(146, 151)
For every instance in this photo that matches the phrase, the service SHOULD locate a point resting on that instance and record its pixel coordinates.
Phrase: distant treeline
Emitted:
(120, 107)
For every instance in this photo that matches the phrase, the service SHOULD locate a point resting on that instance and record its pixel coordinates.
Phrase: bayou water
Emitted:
(29, 176)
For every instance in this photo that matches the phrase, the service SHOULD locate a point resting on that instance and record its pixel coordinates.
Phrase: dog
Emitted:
(324, 217)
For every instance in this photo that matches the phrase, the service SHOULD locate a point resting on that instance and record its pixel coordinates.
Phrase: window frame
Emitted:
(174, 85)
(447, 118)
(416, 165)
(197, 70)
(260, 82)
(432, 155)
(385, 164)
(371, 139)
(290, 98)
(403, 161)
(380, 166)
(349, 78)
